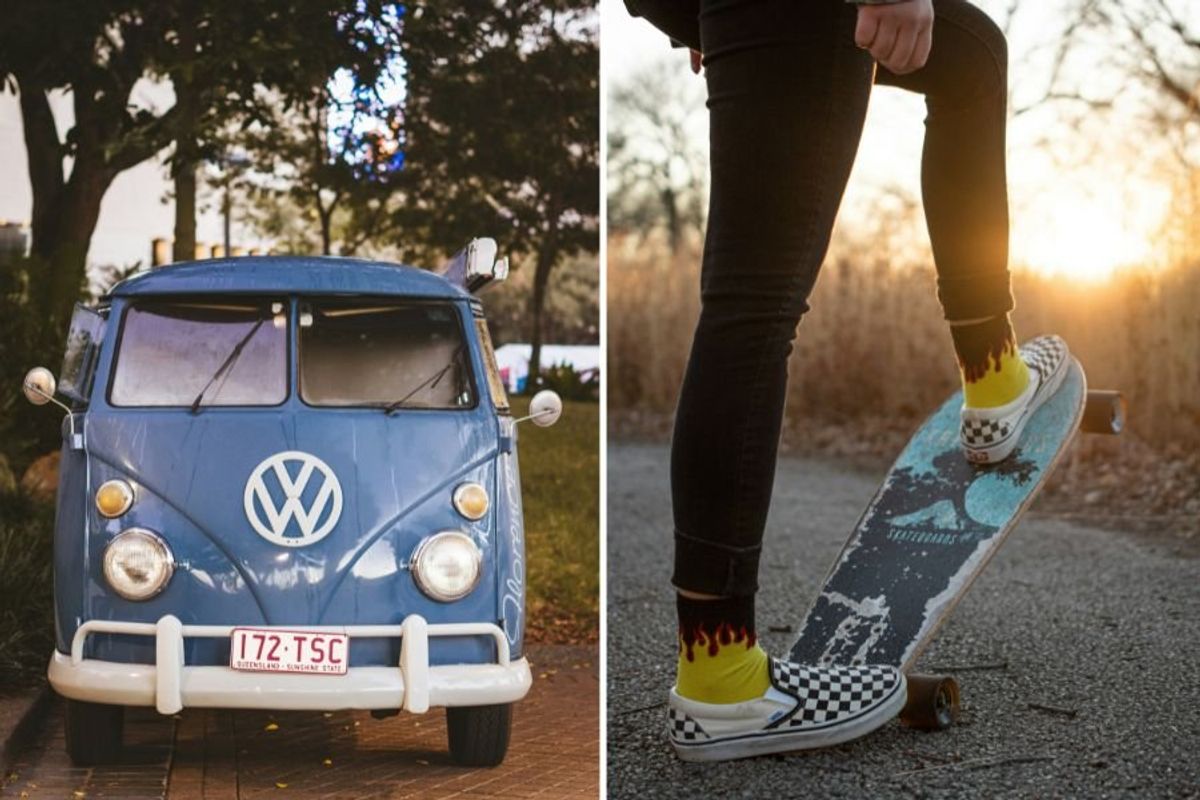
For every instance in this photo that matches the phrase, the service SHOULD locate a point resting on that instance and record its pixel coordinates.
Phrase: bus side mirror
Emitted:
(544, 409)
(39, 386)
(475, 267)
(481, 258)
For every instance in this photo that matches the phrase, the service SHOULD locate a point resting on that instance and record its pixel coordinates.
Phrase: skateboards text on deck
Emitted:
(928, 533)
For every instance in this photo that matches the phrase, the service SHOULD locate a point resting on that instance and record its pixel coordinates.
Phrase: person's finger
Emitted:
(696, 58)
(920, 54)
(885, 42)
(865, 29)
(901, 55)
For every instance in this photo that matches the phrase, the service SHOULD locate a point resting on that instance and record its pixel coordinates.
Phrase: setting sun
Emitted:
(1087, 234)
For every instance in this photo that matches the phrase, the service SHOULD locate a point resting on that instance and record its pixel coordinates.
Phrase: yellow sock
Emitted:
(992, 370)
(722, 669)
(1000, 385)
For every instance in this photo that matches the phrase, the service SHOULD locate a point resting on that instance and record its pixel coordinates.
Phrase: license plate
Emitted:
(274, 650)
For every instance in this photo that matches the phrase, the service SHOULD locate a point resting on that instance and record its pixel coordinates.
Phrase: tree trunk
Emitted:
(227, 218)
(44, 155)
(546, 258)
(185, 208)
(184, 162)
(326, 231)
(64, 211)
(671, 207)
(80, 211)
(325, 215)
(62, 232)
(320, 142)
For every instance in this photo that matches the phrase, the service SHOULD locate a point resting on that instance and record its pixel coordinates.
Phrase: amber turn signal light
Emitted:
(114, 498)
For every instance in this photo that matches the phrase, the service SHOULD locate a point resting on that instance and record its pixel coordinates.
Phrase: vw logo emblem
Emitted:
(274, 498)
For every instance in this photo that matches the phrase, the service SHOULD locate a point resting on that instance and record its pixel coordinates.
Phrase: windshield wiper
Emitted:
(228, 362)
(430, 382)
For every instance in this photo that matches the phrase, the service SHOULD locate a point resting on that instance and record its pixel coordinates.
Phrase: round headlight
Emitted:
(114, 498)
(446, 566)
(138, 564)
(471, 500)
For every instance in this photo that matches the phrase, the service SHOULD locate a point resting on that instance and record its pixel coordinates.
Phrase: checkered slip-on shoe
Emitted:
(991, 434)
(805, 708)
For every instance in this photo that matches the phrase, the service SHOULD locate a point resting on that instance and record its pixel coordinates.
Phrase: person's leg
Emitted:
(964, 185)
(787, 97)
(965, 191)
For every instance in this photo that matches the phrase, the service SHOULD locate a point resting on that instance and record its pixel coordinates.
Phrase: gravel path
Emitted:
(1077, 652)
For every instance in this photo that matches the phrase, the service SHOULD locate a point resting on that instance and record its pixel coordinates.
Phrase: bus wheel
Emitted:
(479, 734)
(93, 733)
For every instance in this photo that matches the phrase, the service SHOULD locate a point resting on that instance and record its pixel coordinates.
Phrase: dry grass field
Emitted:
(873, 357)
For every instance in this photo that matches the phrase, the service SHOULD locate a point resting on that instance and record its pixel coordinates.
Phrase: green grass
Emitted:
(26, 592)
(560, 482)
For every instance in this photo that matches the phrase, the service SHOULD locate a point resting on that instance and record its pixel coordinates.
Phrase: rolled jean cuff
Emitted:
(715, 569)
(976, 296)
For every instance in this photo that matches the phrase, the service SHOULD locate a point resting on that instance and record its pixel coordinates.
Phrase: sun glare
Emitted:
(1086, 235)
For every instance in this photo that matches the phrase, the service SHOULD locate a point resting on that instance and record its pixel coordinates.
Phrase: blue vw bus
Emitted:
(289, 483)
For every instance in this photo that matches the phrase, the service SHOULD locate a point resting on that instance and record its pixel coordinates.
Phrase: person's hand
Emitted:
(696, 56)
(898, 35)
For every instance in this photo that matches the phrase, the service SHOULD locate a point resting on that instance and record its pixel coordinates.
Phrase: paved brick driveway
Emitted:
(247, 754)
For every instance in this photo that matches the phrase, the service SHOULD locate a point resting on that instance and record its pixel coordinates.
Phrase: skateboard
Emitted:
(929, 531)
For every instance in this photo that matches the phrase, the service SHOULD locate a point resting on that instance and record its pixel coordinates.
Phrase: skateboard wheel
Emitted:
(1104, 412)
(932, 702)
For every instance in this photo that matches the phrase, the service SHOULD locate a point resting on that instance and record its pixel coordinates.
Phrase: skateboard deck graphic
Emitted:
(927, 534)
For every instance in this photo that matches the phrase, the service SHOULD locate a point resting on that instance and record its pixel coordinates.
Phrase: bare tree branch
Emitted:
(1095, 103)
(1176, 25)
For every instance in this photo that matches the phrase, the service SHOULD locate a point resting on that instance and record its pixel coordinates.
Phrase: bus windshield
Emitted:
(202, 353)
(393, 355)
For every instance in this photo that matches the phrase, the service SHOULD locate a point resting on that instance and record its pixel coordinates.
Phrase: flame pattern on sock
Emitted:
(982, 347)
(722, 635)
(719, 660)
(706, 626)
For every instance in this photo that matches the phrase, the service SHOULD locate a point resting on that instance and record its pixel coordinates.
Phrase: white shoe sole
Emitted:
(1002, 450)
(766, 742)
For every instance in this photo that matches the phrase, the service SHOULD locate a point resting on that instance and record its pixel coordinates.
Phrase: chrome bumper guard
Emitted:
(170, 686)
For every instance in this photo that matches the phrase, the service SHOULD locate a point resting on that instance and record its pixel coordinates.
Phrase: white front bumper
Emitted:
(169, 685)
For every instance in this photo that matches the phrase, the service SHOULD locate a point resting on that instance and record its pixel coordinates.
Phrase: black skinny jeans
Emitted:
(787, 94)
